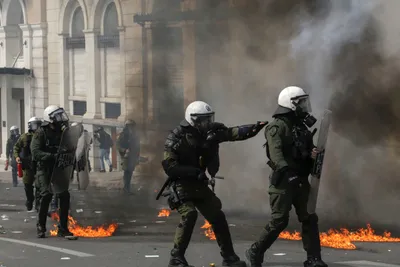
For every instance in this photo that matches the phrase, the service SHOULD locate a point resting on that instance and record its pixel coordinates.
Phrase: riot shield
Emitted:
(81, 154)
(64, 167)
(318, 163)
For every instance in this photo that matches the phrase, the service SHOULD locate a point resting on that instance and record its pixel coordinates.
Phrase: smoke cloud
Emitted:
(343, 53)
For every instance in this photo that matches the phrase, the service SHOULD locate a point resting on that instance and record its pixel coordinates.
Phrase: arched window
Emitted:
(77, 23)
(110, 21)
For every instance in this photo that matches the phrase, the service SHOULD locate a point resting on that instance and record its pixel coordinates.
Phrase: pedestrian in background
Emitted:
(106, 143)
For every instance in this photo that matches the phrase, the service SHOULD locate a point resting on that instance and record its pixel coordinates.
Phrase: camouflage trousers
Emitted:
(201, 199)
(282, 197)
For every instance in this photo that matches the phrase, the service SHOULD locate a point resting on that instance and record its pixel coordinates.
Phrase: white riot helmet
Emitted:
(34, 123)
(74, 124)
(199, 114)
(14, 130)
(294, 98)
(55, 115)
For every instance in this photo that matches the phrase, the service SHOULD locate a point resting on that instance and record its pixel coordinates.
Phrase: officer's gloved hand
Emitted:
(291, 177)
(251, 130)
(202, 177)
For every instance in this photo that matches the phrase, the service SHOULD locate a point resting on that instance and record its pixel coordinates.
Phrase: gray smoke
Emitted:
(343, 55)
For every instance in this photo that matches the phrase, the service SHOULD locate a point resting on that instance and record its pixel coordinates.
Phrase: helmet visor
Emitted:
(34, 125)
(303, 102)
(202, 121)
(59, 116)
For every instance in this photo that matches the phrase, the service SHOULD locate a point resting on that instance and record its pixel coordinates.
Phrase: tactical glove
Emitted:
(251, 130)
(202, 177)
(291, 176)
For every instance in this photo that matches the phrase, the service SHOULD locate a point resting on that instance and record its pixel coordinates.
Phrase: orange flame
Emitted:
(88, 231)
(208, 232)
(164, 213)
(343, 238)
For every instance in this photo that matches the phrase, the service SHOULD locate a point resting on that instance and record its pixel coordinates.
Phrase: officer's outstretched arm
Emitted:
(37, 144)
(171, 164)
(274, 134)
(244, 132)
(18, 147)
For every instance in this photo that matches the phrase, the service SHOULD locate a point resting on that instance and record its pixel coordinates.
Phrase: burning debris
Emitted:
(333, 238)
(164, 213)
(208, 232)
(343, 239)
(88, 231)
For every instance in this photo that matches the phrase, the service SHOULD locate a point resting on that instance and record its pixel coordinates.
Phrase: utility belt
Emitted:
(174, 198)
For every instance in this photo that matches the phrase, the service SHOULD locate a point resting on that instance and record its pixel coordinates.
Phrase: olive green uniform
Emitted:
(289, 147)
(44, 148)
(10, 154)
(186, 154)
(23, 151)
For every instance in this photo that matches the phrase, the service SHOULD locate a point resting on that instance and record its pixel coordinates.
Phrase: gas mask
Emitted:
(59, 119)
(203, 122)
(303, 109)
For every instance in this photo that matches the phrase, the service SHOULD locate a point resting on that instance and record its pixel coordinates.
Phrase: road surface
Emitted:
(142, 239)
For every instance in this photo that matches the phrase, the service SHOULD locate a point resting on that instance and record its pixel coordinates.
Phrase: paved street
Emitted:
(143, 239)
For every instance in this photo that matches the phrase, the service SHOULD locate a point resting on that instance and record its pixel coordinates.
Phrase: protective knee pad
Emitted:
(278, 224)
(189, 219)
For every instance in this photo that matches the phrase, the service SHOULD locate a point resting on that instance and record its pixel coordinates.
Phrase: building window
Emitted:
(79, 108)
(113, 110)
(110, 37)
(76, 38)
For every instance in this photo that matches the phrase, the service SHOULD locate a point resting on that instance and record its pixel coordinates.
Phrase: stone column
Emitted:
(122, 117)
(93, 76)
(189, 63)
(189, 56)
(64, 73)
(8, 107)
(39, 59)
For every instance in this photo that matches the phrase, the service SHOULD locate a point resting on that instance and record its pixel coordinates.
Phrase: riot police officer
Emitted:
(291, 152)
(12, 140)
(44, 148)
(22, 154)
(190, 150)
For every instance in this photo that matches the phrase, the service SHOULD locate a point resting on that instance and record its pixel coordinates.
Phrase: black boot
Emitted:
(178, 259)
(41, 231)
(29, 196)
(62, 232)
(232, 260)
(315, 262)
(254, 256)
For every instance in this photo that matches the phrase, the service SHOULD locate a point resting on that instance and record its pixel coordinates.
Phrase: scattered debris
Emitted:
(212, 264)
(7, 188)
(12, 205)
(120, 223)
(160, 221)
(145, 226)
(3, 205)
(16, 232)
(389, 250)
(30, 211)
(133, 221)
(79, 210)
(26, 220)
(4, 217)
(65, 258)
(279, 254)
(98, 211)
(151, 256)
(231, 224)
(2, 231)
(33, 217)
